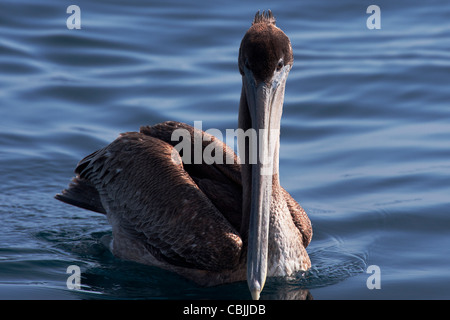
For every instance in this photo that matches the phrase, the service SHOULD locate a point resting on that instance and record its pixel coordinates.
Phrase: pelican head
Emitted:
(265, 59)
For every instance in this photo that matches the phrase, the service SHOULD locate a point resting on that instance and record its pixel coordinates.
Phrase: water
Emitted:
(364, 145)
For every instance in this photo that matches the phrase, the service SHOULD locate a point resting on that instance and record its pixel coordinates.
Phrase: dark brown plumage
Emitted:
(265, 48)
(198, 219)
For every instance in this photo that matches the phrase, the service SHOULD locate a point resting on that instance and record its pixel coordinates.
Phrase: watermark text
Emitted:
(73, 281)
(374, 21)
(74, 20)
(374, 280)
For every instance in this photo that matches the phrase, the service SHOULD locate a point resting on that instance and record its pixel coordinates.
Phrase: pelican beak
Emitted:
(265, 104)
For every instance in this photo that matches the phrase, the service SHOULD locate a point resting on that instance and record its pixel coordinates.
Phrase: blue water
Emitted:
(365, 141)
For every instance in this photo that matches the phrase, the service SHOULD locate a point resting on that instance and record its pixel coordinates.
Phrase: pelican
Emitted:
(211, 223)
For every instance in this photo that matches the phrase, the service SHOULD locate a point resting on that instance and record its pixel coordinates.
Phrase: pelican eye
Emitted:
(280, 65)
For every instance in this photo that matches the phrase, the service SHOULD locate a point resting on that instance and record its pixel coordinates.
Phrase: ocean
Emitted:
(365, 137)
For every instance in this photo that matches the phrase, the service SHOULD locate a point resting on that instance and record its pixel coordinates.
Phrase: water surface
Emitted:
(365, 141)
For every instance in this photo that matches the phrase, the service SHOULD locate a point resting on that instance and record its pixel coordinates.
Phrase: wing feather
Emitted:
(147, 193)
(300, 218)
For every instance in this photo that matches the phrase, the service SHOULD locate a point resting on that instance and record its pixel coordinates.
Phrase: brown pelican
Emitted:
(212, 223)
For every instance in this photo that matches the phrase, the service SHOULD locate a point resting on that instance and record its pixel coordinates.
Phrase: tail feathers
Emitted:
(83, 194)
